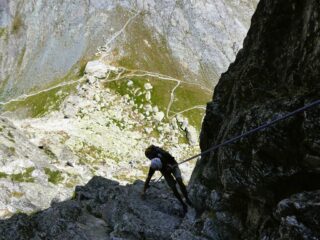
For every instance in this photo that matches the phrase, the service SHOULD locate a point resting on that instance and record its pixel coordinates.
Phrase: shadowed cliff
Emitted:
(256, 187)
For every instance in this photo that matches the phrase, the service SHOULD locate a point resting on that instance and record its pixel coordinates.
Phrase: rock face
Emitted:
(102, 209)
(266, 186)
(43, 41)
(27, 175)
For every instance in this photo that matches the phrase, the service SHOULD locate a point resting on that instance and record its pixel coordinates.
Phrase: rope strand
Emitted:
(263, 126)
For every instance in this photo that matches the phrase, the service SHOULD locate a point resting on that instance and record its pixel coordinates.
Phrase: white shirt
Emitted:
(156, 164)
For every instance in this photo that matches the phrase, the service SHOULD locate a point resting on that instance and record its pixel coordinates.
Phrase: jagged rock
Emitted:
(276, 72)
(299, 216)
(155, 109)
(148, 130)
(91, 79)
(102, 210)
(148, 108)
(148, 86)
(98, 69)
(192, 135)
(148, 96)
(158, 116)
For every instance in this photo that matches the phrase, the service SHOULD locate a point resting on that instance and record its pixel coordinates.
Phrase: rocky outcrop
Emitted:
(28, 179)
(94, 132)
(45, 42)
(102, 209)
(266, 186)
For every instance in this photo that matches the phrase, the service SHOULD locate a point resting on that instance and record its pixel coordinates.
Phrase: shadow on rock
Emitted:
(102, 209)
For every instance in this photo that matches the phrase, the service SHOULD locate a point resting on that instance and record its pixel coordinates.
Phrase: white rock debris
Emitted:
(95, 132)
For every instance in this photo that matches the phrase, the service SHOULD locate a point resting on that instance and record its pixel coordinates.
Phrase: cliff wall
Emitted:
(257, 187)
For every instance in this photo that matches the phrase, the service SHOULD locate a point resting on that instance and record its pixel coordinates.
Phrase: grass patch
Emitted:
(3, 32)
(42, 103)
(17, 24)
(73, 181)
(90, 154)
(24, 176)
(21, 56)
(10, 137)
(187, 95)
(160, 94)
(125, 177)
(45, 102)
(11, 151)
(49, 153)
(3, 175)
(3, 85)
(147, 52)
(195, 117)
(54, 177)
(17, 194)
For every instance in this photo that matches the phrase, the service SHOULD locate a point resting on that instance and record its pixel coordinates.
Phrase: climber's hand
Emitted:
(143, 195)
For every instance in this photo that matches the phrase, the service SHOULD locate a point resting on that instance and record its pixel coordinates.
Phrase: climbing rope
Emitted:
(263, 126)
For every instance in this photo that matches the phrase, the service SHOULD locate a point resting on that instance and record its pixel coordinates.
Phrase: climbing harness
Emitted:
(263, 126)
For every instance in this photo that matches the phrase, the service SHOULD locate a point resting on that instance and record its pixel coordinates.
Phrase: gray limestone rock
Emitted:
(42, 42)
(275, 73)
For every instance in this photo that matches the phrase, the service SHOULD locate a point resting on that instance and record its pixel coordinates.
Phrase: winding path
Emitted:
(124, 73)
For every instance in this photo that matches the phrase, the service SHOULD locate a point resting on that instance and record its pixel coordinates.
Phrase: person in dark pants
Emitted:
(164, 162)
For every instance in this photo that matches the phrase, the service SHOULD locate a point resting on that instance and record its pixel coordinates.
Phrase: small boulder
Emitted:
(192, 135)
(159, 116)
(148, 96)
(130, 83)
(98, 69)
(148, 86)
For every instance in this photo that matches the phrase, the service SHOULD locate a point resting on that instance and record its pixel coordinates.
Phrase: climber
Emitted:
(164, 162)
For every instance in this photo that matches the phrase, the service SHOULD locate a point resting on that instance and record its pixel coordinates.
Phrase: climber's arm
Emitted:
(146, 184)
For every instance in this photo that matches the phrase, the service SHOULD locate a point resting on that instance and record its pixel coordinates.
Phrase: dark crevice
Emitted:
(287, 186)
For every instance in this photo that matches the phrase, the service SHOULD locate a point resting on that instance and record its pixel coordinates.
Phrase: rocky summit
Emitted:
(103, 209)
(71, 148)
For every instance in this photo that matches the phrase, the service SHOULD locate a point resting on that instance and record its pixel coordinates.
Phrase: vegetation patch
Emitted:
(89, 154)
(21, 56)
(72, 181)
(11, 151)
(42, 103)
(3, 175)
(147, 52)
(47, 101)
(17, 194)
(160, 94)
(11, 137)
(49, 153)
(25, 176)
(17, 24)
(189, 95)
(3, 84)
(54, 177)
(3, 31)
(186, 96)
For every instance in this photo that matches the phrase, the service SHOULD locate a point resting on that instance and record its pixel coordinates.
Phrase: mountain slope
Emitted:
(43, 43)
